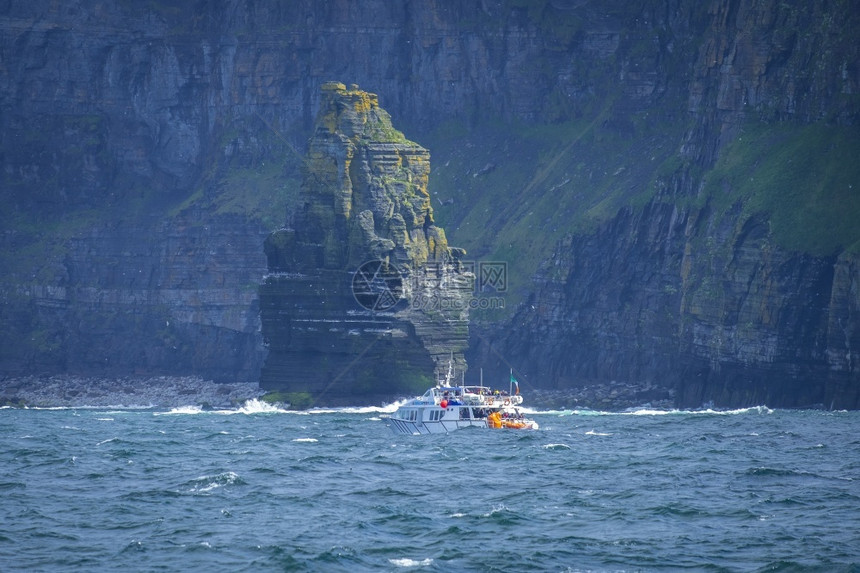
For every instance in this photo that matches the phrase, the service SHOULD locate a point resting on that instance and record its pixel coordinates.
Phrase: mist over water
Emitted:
(262, 489)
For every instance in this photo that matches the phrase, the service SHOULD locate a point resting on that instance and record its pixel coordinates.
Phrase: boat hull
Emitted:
(438, 427)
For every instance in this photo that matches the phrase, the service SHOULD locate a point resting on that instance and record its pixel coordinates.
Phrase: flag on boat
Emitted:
(516, 384)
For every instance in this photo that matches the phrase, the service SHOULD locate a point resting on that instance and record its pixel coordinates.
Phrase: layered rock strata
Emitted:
(142, 297)
(737, 323)
(365, 300)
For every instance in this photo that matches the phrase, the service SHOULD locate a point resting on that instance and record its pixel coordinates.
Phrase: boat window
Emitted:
(464, 413)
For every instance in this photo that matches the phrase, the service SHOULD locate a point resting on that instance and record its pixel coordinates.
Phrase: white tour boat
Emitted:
(446, 408)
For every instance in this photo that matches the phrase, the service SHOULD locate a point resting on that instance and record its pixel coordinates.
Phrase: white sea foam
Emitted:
(205, 484)
(308, 440)
(385, 409)
(180, 410)
(109, 407)
(391, 408)
(406, 562)
(593, 433)
(255, 406)
(645, 411)
(656, 412)
(118, 408)
(650, 412)
(556, 447)
(496, 509)
(561, 413)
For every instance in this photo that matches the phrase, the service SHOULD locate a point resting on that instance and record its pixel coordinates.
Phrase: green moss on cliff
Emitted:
(379, 129)
(508, 193)
(257, 179)
(805, 179)
(263, 193)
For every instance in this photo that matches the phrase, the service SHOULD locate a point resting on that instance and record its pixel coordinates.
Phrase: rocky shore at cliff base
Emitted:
(612, 396)
(70, 391)
(58, 391)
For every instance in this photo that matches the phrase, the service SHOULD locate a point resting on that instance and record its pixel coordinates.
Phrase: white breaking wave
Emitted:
(709, 411)
(556, 447)
(593, 433)
(353, 410)
(180, 410)
(205, 484)
(255, 406)
(656, 412)
(406, 562)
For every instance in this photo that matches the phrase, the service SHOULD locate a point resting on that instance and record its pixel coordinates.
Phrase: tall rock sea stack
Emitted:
(365, 300)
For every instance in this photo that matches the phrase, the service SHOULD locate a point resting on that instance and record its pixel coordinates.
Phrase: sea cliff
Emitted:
(671, 186)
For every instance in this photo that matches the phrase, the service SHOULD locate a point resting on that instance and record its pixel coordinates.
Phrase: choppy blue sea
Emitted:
(259, 489)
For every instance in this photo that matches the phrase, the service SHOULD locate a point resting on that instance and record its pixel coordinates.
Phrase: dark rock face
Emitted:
(145, 296)
(343, 308)
(743, 325)
(704, 304)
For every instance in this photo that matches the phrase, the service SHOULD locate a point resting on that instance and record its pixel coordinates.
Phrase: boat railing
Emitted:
(471, 396)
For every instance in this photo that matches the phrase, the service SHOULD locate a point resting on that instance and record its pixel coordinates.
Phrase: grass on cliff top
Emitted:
(806, 179)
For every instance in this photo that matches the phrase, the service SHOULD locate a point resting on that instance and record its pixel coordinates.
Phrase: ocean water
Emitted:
(259, 489)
